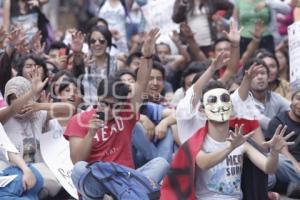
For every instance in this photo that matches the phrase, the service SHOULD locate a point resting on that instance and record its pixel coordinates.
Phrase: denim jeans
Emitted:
(286, 172)
(145, 150)
(155, 169)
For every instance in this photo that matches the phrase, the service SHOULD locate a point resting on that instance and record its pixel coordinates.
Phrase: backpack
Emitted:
(120, 182)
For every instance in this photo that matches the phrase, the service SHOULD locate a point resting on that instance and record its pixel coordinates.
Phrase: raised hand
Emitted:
(77, 41)
(186, 30)
(3, 36)
(279, 141)
(15, 37)
(175, 37)
(36, 46)
(234, 35)
(253, 71)
(237, 137)
(94, 124)
(149, 42)
(220, 61)
(36, 81)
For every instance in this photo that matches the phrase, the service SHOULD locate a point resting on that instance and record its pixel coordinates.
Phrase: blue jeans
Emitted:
(145, 150)
(155, 169)
(286, 172)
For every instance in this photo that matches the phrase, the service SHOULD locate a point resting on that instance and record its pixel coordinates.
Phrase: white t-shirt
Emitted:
(190, 118)
(116, 19)
(200, 26)
(24, 134)
(223, 181)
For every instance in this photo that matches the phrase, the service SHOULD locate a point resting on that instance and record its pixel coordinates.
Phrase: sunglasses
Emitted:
(224, 98)
(111, 105)
(101, 41)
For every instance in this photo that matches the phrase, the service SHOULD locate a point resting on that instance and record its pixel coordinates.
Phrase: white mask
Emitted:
(217, 105)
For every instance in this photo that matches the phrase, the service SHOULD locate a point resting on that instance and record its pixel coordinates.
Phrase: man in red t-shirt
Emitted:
(104, 133)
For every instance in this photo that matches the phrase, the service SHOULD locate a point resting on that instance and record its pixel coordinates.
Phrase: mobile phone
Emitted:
(62, 52)
(101, 115)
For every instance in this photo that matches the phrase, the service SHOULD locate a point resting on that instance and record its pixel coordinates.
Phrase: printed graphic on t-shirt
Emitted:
(226, 177)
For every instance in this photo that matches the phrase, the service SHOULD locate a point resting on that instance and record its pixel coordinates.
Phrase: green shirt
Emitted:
(248, 16)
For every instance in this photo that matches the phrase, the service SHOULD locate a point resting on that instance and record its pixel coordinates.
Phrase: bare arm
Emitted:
(6, 15)
(194, 49)
(266, 164)
(232, 67)
(145, 69)
(54, 110)
(28, 178)
(254, 44)
(245, 84)
(207, 75)
(276, 144)
(182, 51)
(208, 160)
(80, 148)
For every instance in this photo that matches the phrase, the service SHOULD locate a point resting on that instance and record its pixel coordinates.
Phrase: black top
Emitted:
(284, 118)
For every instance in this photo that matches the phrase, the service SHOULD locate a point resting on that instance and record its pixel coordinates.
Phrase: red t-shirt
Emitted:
(110, 144)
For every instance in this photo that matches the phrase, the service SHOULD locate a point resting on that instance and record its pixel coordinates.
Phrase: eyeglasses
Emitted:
(224, 98)
(101, 41)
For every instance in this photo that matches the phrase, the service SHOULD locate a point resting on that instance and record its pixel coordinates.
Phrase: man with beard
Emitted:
(289, 165)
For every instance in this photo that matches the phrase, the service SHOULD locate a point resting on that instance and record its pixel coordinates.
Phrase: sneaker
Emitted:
(293, 190)
(273, 196)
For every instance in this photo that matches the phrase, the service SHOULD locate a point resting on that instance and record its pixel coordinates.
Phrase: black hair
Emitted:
(122, 72)
(104, 31)
(158, 66)
(223, 39)
(193, 68)
(263, 53)
(67, 80)
(59, 45)
(133, 56)
(250, 62)
(113, 87)
(94, 21)
(164, 44)
(38, 61)
(213, 85)
(202, 66)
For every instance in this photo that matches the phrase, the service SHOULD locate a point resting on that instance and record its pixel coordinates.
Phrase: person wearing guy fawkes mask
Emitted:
(217, 152)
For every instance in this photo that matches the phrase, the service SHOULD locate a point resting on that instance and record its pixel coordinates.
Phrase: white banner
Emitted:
(5, 143)
(294, 52)
(56, 154)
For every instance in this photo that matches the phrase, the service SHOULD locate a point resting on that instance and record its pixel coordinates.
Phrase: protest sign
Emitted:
(56, 154)
(294, 53)
(5, 143)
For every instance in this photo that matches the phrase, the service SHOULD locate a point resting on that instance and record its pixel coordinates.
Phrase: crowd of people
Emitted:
(198, 101)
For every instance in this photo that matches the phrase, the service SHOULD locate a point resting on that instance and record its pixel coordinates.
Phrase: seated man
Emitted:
(288, 171)
(217, 152)
(154, 138)
(109, 139)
